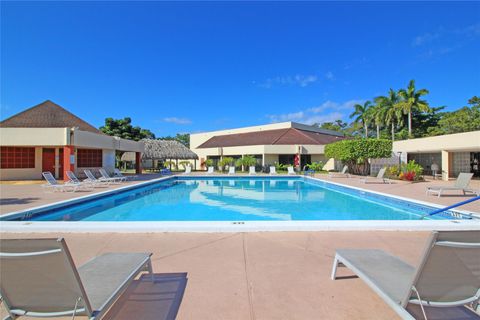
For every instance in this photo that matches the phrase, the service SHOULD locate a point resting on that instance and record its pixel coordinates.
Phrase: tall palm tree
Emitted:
(392, 111)
(362, 115)
(378, 116)
(412, 100)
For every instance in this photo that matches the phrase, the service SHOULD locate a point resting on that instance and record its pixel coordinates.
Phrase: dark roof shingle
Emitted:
(47, 115)
(285, 136)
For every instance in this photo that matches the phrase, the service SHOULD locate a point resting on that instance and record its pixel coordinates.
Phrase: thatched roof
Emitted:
(162, 150)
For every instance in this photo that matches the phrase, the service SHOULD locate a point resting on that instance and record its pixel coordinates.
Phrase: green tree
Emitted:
(393, 113)
(123, 128)
(246, 161)
(226, 161)
(337, 125)
(412, 100)
(183, 138)
(462, 120)
(423, 122)
(378, 113)
(356, 152)
(185, 164)
(362, 115)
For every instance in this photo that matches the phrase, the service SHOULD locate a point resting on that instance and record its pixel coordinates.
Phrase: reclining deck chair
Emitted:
(39, 279)
(448, 274)
(461, 184)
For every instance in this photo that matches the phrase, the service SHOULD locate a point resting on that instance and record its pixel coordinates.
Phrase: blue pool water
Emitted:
(239, 199)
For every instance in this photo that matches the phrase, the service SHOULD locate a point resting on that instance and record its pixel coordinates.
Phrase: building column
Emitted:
(57, 163)
(263, 159)
(68, 160)
(138, 162)
(446, 164)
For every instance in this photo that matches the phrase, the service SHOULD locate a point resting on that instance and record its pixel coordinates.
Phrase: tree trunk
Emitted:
(378, 131)
(410, 124)
(366, 131)
(393, 131)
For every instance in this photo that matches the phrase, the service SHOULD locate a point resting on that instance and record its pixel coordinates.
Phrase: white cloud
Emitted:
(177, 120)
(425, 38)
(326, 112)
(329, 75)
(443, 41)
(296, 80)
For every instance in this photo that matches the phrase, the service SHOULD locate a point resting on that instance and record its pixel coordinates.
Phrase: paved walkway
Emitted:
(15, 196)
(246, 275)
(414, 190)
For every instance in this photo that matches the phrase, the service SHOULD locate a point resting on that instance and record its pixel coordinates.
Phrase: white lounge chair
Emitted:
(231, 170)
(52, 184)
(106, 177)
(73, 180)
(273, 170)
(188, 170)
(379, 178)
(210, 170)
(92, 179)
(446, 278)
(461, 184)
(291, 171)
(39, 279)
(251, 171)
(119, 174)
(341, 174)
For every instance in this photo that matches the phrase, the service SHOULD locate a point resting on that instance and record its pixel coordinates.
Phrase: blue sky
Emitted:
(189, 67)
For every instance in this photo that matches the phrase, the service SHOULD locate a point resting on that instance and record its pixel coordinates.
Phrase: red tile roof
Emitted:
(287, 136)
(47, 115)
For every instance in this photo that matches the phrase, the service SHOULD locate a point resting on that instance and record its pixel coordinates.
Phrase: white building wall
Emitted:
(270, 159)
(34, 136)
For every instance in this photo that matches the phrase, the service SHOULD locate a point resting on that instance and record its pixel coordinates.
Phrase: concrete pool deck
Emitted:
(242, 275)
(232, 276)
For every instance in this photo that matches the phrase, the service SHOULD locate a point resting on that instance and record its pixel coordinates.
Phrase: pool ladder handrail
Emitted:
(461, 203)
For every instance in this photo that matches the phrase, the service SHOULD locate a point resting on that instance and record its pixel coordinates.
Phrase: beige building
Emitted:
(453, 153)
(269, 144)
(47, 137)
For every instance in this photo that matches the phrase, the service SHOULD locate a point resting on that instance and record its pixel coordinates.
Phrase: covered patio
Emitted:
(162, 150)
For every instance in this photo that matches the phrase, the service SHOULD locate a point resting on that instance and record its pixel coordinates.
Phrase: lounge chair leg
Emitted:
(150, 271)
(334, 268)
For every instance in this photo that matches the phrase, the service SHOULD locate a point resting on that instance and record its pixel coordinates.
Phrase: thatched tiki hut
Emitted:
(162, 150)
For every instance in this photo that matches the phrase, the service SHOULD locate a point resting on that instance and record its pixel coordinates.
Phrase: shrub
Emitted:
(184, 164)
(411, 171)
(226, 161)
(409, 175)
(246, 161)
(169, 164)
(393, 172)
(316, 166)
(356, 152)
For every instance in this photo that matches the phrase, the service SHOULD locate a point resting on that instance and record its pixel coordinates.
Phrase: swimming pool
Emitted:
(236, 199)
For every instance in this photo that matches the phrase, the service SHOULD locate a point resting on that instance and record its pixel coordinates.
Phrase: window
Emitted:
(286, 159)
(17, 157)
(87, 158)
